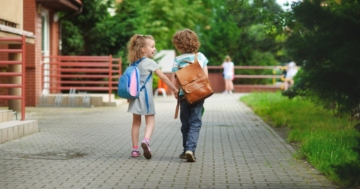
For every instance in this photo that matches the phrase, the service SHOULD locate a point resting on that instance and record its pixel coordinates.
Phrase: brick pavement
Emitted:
(90, 148)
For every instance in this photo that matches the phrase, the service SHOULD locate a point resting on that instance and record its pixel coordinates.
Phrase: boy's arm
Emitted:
(166, 80)
(206, 71)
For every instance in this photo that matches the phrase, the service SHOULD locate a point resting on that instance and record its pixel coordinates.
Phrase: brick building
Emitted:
(11, 26)
(41, 19)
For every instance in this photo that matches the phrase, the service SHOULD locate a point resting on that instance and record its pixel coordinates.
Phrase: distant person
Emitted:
(142, 47)
(291, 70)
(228, 75)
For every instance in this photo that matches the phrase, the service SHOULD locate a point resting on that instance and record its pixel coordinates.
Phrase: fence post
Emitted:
(58, 78)
(23, 79)
(120, 66)
(110, 76)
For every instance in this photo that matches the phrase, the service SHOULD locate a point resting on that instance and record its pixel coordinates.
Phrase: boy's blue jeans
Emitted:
(190, 116)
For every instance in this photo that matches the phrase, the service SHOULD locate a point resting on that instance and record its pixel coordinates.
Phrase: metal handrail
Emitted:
(274, 76)
(10, 74)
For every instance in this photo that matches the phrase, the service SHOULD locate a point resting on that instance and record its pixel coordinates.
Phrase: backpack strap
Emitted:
(177, 106)
(146, 93)
(138, 61)
(195, 59)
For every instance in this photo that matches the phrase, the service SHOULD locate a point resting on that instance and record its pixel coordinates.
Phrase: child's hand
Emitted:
(176, 93)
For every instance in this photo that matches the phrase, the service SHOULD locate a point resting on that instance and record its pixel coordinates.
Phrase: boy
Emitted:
(187, 43)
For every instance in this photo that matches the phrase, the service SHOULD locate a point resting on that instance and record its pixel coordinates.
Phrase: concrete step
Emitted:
(12, 130)
(6, 115)
(78, 100)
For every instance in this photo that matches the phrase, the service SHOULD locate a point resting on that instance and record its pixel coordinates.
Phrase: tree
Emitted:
(243, 30)
(222, 26)
(238, 29)
(164, 17)
(324, 40)
(89, 33)
(99, 33)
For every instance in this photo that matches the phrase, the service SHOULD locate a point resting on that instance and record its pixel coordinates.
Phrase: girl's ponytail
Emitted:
(131, 48)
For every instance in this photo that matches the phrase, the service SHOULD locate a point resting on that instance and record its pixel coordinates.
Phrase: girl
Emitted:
(143, 46)
(187, 43)
(291, 71)
(228, 74)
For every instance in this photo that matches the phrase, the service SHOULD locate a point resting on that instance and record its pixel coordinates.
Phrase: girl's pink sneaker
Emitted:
(145, 146)
(135, 153)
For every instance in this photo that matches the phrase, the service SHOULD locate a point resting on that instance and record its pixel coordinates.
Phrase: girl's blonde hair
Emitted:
(135, 44)
(227, 58)
(186, 41)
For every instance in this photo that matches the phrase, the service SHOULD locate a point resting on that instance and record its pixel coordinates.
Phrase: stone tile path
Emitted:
(90, 148)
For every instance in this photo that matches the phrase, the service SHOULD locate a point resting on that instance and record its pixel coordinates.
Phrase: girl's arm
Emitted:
(233, 72)
(166, 80)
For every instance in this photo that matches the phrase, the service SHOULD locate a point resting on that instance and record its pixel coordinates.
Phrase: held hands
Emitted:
(176, 93)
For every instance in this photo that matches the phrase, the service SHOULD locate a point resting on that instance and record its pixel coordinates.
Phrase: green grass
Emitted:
(329, 143)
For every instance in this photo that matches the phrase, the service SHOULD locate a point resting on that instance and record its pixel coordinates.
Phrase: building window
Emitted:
(7, 23)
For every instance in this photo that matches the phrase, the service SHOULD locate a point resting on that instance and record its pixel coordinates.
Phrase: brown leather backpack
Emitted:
(194, 83)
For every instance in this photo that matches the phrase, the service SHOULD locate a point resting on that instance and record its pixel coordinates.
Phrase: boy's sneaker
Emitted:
(146, 147)
(135, 153)
(182, 156)
(190, 156)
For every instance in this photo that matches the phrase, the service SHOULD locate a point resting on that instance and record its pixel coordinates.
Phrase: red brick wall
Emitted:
(54, 36)
(54, 43)
(32, 18)
(32, 23)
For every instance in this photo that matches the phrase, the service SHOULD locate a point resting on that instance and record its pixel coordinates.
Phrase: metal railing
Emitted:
(82, 73)
(251, 87)
(14, 74)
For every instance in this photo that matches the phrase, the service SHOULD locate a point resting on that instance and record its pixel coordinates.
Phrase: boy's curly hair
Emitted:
(186, 41)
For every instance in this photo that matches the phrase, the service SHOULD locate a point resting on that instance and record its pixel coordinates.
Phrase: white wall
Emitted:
(167, 60)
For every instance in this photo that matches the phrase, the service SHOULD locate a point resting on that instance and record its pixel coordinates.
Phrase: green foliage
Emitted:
(72, 40)
(155, 81)
(241, 29)
(238, 29)
(324, 40)
(223, 27)
(330, 144)
(222, 36)
(94, 34)
(164, 17)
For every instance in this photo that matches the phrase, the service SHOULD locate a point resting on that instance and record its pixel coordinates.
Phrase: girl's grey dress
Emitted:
(138, 106)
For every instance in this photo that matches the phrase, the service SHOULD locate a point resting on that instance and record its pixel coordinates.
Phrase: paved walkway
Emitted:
(90, 148)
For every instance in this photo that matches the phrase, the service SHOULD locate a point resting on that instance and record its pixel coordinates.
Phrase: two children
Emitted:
(187, 43)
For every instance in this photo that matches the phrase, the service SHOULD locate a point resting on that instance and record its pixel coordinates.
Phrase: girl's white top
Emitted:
(292, 70)
(228, 68)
